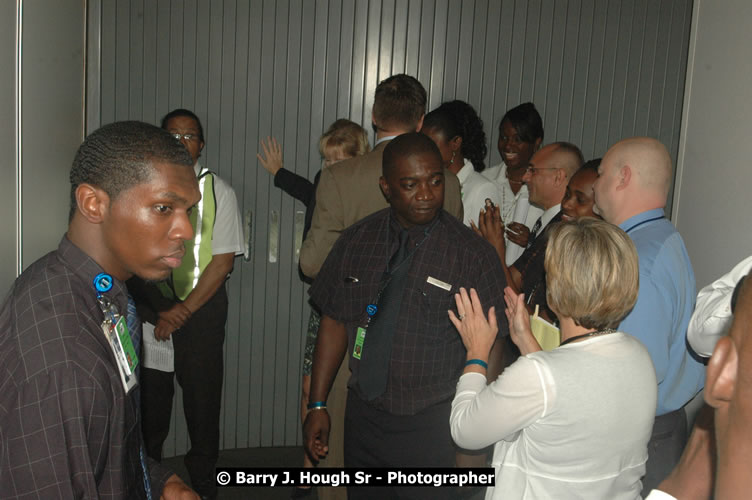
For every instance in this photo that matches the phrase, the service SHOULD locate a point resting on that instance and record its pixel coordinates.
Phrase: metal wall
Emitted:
(598, 70)
(41, 105)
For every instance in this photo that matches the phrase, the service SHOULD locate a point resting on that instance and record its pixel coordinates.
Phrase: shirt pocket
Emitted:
(434, 304)
(356, 293)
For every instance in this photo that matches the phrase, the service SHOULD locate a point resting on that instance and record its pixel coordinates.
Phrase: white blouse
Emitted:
(570, 423)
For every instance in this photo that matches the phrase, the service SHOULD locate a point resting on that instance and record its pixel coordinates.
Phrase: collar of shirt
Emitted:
(415, 233)
(384, 139)
(549, 214)
(86, 269)
(465, 172)
(640, 218)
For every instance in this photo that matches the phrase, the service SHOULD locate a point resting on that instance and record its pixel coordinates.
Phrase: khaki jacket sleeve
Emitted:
(452, 195)
(327, 224)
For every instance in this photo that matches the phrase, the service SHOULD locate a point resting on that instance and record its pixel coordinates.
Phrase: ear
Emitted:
(201, 147)
(384, 188)
(420, 123)
(537, 144)
(373, 120)
(721, 373)
(456, 143)
(625, 177)
(561, 177)
(92, 202)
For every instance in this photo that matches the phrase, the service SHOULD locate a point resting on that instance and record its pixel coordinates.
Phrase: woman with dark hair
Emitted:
(520, 136)
(458, 132)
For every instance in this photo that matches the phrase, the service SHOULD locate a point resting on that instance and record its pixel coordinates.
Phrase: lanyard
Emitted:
(103, 284)
(643, 222)
(372, 308)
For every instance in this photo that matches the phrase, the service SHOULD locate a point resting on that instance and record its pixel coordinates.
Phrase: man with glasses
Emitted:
(546, 177)
(191, 308)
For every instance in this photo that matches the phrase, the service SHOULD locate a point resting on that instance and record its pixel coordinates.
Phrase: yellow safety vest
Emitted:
(198, 251)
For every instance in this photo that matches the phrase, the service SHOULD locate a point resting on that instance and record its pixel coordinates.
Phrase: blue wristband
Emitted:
(318, 405)
(478, 362)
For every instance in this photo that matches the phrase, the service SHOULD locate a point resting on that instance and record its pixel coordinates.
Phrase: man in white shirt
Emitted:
(715, 462)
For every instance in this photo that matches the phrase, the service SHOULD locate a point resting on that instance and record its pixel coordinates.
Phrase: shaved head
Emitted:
(650, 162)
(568, 157)
(635, 176)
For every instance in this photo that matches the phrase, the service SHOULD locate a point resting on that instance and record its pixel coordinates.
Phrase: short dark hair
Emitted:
(187, 113)
(399, 101)
(526, 121)
(406, 145)
(120, 155)
(592, 165)
(458, 118)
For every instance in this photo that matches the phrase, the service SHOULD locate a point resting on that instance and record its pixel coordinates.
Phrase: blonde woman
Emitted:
(573, 422)
(343, 140)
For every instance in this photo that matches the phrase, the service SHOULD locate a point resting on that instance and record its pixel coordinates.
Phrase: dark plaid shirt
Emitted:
(427, 352)
(67, 428)
(530, 266)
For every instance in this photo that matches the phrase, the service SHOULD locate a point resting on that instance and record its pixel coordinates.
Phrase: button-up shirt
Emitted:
(67, 428)
(664, 306)
(427, 354)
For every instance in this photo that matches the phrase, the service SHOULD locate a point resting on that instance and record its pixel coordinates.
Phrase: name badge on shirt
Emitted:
(444, 286)
(126, 364)
(360, 338)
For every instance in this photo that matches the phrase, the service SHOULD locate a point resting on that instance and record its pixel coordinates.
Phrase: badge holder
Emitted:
(115, 330)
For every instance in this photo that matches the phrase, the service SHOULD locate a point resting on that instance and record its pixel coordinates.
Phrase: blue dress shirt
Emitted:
(664, 306)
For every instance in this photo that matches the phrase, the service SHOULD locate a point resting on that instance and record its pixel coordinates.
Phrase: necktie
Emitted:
(534, 232)
(134, 329)
(377, 350)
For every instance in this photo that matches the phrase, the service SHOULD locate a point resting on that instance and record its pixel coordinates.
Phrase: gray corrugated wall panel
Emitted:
(478, 52)
(491, 74)
(347, 12)
(250, 327)
(149, 110)
(598, 70)
(265, 284)
(593, 87)
(136, 55)
(558, 71)
(412, 34)
(620, 69)
(287, 305)
(107, 65)
(236, 359)
(399, 42)
(438, 55)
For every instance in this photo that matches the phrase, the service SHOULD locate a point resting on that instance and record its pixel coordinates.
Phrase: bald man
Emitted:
(631, 192)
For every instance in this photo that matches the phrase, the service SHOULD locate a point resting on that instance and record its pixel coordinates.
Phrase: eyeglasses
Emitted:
(535, 170)
(187, 137)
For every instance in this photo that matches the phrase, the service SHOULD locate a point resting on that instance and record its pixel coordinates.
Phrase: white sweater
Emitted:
(570, 423)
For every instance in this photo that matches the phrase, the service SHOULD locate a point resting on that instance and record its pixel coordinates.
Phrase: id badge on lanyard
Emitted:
(116, 332)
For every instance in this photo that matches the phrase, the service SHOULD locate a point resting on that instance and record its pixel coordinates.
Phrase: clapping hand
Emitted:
(478, 333)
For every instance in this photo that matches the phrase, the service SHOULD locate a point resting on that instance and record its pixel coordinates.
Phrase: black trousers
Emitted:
(375, 438)
(198, 369)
